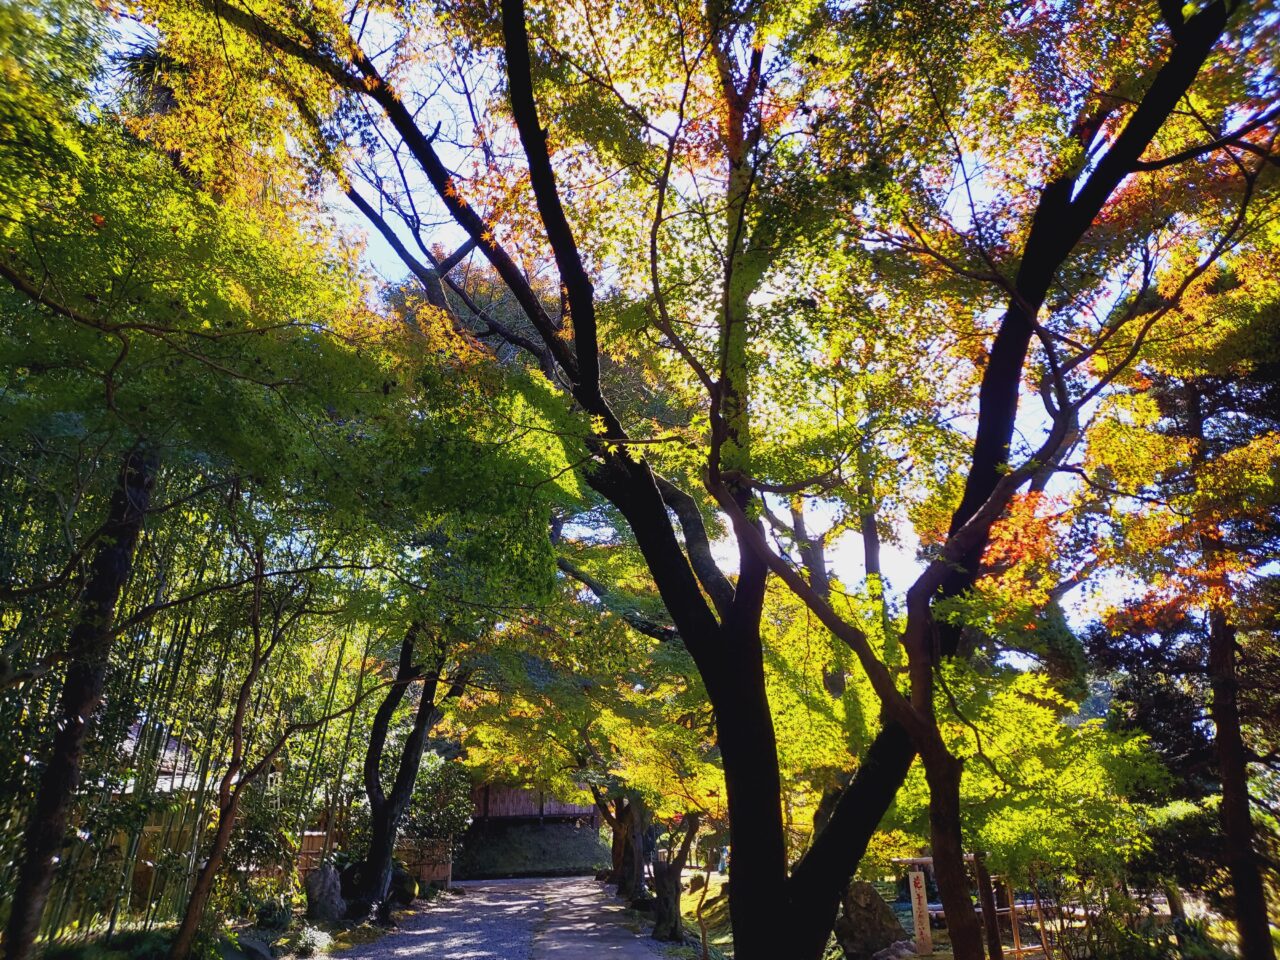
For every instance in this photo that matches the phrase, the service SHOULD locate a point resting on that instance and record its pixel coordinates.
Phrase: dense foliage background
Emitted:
(840, 433)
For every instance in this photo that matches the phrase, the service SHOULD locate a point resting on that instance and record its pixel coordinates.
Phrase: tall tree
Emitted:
(387, 807)
(1200, 457)
(756, 110)
(87, 656)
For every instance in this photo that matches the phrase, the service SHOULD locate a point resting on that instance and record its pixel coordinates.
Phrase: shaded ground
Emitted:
(541, 919)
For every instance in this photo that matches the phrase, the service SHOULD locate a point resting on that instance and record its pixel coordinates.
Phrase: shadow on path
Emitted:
(538, 919)
(582, 920)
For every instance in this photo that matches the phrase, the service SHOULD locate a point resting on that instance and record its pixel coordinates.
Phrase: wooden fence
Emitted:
(521, 803)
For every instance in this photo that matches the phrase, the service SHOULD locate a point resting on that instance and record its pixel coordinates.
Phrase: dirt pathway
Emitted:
(543, 919)
(582, 921)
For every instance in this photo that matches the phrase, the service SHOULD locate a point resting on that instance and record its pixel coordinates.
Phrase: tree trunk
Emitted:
(618, 843)
(990, 918)
(387, 809)
(668, 923)
(1248, 892)
(942, 771)
(386, 819)
(819, 880)
(379, 860)
(89, 651)
(758, 904)
(617, 832)
(632, 826)
(185, 938)
(382, 833)
(729, 658)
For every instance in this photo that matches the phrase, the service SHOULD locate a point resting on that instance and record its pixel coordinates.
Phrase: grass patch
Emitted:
(715, 911)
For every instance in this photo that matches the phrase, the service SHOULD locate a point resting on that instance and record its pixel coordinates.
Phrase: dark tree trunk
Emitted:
(758, 865)
(615, 818)
(387, 808)
(990, 918)
(668, 922)
(632, 825)
(380, 847)
(618, 843)
(943, 775)
(89, 651)
(1248, 892)
(729, 657)
(822, 874)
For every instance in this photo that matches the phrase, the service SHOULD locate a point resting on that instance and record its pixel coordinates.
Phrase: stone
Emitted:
(404, 888)
(867, 925)
(243, 947)
(255, 948)
(325, 903)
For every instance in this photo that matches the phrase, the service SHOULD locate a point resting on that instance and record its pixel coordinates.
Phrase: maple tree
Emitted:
(747, 136)
(1194, 439)
(693, 296)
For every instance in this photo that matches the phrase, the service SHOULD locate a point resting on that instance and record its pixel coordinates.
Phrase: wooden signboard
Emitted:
(920, 912)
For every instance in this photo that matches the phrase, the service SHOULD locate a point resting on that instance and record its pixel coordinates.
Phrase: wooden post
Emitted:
(920, 912)
(990, 918)
(1044, 940)
(1013, 921)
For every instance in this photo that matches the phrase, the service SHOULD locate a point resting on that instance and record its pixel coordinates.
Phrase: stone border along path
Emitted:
(572, 918)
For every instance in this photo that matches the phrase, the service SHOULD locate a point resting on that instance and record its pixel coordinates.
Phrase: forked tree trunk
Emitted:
(387, 807)
(668, 923)
(773, 915)
(389, 812)
(89, 651)
(1247, 889)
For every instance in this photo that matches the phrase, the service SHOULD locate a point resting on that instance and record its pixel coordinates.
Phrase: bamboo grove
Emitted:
(835, 432)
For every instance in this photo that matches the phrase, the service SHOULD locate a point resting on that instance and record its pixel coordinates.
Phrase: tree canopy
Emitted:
(848, 430)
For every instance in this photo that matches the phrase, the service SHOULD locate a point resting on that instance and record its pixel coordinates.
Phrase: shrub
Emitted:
(311, 941)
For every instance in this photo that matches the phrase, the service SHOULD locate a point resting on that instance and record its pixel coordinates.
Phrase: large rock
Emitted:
(241, 947)
(325, 903)
(866, 924)
(404, 888)
(255, 948)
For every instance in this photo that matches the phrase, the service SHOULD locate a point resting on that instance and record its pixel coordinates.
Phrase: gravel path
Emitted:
(541, 919)
(581, 921)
